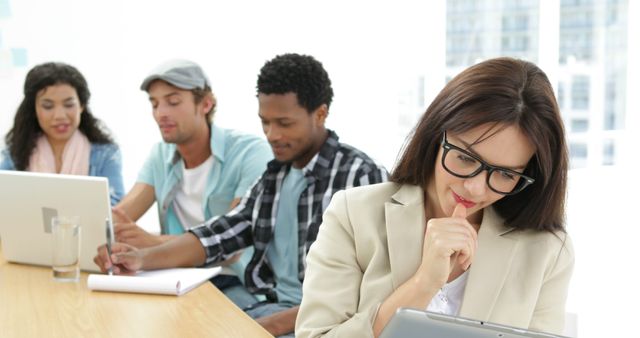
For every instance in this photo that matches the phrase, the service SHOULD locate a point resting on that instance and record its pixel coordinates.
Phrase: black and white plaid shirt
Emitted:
(336, 167)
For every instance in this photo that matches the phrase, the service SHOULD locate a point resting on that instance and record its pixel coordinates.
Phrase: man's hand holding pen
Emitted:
(124, 259)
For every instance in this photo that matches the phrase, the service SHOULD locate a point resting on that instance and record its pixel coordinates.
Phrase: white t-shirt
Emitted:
(449, 299)
(189, 199)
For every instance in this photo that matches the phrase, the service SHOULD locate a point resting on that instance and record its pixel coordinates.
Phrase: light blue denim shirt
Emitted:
(105, 160)
(239, 160)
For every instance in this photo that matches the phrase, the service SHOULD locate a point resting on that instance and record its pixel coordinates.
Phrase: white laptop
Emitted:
(28, 201)
(410, 323)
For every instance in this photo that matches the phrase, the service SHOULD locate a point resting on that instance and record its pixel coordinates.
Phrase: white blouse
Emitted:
(449, 299)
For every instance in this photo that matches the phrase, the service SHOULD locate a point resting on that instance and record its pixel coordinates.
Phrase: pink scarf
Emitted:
(75, 156)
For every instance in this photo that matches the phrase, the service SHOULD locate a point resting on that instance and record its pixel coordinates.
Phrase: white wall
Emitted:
(605, 230)
(371, 50)
(366, 48)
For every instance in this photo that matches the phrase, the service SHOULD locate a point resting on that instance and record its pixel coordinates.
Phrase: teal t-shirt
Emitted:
(282, 251)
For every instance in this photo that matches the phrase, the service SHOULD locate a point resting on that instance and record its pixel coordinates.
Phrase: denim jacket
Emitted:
(105, 160)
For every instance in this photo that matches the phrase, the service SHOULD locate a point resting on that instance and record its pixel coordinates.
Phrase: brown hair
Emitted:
(199, 94)
(499, 91)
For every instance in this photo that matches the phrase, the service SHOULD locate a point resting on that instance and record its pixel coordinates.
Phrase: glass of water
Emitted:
(66, 248)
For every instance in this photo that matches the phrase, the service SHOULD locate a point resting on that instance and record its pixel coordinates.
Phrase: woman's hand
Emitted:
(448, 241)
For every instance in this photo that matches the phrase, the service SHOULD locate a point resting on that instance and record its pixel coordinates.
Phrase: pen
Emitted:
(109, 228)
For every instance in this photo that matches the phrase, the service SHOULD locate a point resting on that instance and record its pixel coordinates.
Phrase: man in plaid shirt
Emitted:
(310, 165)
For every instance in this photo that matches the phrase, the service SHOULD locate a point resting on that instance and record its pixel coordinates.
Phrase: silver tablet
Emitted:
(410, 323)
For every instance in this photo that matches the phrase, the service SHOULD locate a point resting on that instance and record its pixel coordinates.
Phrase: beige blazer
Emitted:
(370, 242)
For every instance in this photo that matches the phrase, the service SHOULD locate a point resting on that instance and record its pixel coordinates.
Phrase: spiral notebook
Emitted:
(167, 282)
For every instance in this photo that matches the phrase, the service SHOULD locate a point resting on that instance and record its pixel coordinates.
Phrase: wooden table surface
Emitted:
(32, 304)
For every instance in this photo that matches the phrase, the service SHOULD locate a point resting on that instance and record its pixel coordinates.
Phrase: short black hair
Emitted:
(299, 74)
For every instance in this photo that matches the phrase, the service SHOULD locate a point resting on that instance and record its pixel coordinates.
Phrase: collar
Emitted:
(218, 137)
(405, 221)
(493, 224)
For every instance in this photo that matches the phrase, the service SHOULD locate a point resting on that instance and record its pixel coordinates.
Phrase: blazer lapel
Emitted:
(489, 269)
(404, 216)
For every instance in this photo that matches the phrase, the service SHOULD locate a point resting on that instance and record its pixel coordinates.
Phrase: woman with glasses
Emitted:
(54, 130)
(470, 225)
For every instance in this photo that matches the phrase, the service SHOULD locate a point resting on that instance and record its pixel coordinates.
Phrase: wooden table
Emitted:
(32, 304)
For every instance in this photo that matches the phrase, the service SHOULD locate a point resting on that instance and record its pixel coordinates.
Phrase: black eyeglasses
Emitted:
(460, 163)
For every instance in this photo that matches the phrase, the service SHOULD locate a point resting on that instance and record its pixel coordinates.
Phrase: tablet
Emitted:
(411, 323)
